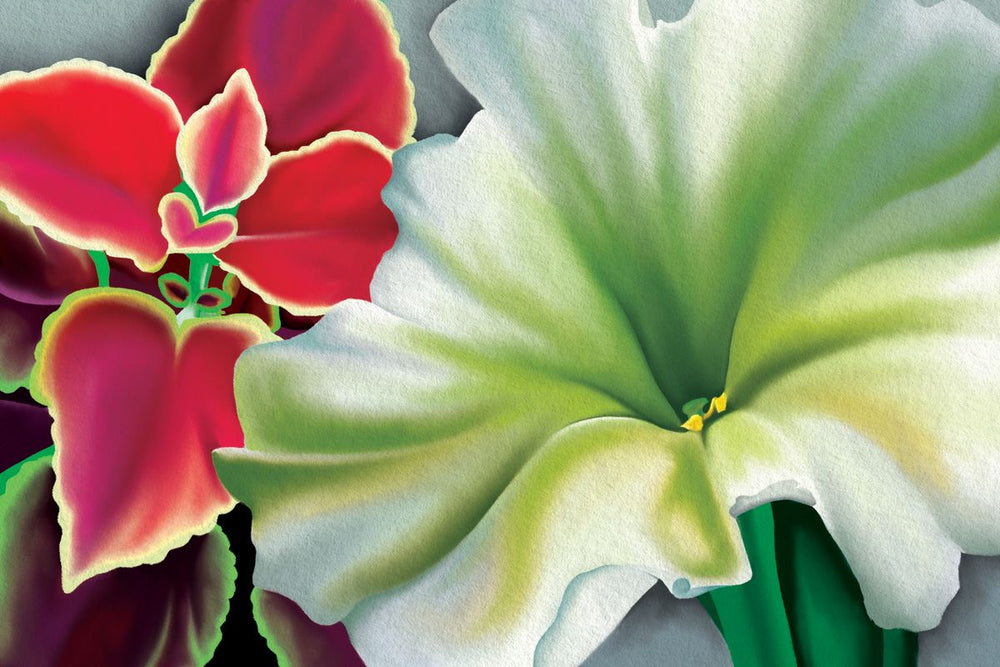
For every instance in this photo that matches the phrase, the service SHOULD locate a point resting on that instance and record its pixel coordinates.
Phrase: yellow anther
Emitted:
(716, 406)
(694, 423)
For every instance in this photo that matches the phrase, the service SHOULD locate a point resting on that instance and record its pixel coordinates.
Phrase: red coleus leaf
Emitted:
(138, 404)
(164, 614)
(86, 153)
(317, 65)
(296, 639)
(221, 147)
(316, 228)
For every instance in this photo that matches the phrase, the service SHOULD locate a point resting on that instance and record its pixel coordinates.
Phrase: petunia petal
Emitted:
(623, 616)
(592, 607)
(138, 405)
(661, 631)
(732, 226)
(317, 227)
(91, 178)
(296, 640)
(871, 422)
(868, 323)
(221, 146)
(318, 66)
(36, 269)
(438, 503)
(797, 204)
(165, 614)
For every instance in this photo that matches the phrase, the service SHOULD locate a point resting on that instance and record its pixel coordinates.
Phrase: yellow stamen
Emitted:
(694, 423)
(716, 406)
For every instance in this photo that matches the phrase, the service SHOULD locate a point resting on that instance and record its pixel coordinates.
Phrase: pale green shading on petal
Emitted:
(887, 427)
(792, 203)
(359, 524)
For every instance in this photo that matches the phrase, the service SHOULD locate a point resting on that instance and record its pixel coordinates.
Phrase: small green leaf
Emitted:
(175, 289)
(214, 299)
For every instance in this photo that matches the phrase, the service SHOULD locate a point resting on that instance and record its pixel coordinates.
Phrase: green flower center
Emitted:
(696, 413)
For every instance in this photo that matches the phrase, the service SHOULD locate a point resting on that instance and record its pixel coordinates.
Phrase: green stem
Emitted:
(198, 277)
(803, 604)
(899, 648)
(752, 616)
(100, 260)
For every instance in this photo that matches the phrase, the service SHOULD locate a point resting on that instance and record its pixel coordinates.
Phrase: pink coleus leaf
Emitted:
(86, 152)
(164, 614)
(221, 147)
(317, 65)
(181, 228)
(316, 228)
(138, 404)
(296, 640)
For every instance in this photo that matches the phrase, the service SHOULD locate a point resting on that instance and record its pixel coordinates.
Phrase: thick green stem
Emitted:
(198, 277)
(101, 265)
(752, 616)
(803, 604)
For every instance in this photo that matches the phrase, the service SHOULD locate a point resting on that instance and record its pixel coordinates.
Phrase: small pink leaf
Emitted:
(179, 222)
(221, 147)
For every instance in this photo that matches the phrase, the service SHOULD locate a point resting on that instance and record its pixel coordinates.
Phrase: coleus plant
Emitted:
(256, 145)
